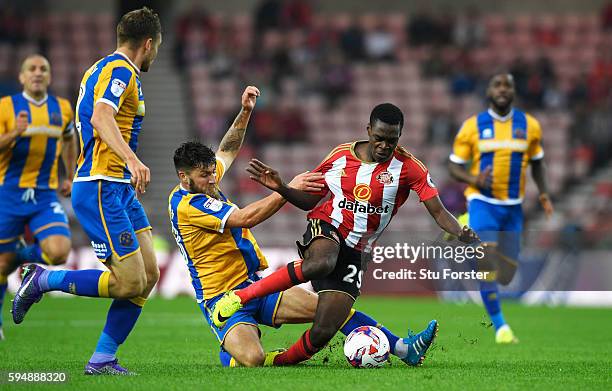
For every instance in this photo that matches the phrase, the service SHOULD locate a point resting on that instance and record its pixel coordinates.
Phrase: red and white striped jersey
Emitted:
(364, 195)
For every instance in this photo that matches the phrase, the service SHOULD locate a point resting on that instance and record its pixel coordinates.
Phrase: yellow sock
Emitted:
(139, 301)
(103, 284)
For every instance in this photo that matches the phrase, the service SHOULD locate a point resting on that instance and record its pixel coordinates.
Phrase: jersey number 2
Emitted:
(350, 277)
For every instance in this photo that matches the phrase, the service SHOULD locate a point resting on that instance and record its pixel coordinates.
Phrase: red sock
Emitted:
(300, 351)
(282, 279)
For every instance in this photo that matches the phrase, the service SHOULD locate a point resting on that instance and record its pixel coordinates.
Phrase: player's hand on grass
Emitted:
(547, 205)
(66, 187)
(484, 180)
(141, 175)
(468, 235)
(21, 122)
(308, 181)
(264, 175)
(249, 98)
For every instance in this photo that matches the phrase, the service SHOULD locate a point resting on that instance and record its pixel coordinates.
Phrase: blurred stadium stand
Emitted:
(434, 67)
(322, 68)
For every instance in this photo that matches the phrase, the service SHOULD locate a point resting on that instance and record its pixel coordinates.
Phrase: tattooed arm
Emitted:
(231, 142)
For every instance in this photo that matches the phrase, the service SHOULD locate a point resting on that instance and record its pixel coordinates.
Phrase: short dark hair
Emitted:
(502, 72)
(193, 154)
(387, 113)
(138, 25)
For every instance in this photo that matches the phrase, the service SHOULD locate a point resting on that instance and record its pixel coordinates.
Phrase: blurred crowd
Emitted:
(285, 45)
(21, 32)
(289, 50)
(562, 66)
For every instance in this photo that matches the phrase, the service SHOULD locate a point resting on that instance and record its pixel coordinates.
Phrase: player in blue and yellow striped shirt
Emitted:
(109, 115)
(499, 144)
(213, 236)
(36, 128)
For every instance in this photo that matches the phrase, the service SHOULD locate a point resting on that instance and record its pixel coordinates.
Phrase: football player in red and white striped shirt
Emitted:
(367, 182)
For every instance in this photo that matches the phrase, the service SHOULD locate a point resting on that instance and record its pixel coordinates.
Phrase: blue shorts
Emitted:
(111, 215)
(42, 211)
(501, 224)
(257, 311)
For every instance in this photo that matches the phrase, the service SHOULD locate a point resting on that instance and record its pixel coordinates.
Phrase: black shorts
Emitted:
(347, 275)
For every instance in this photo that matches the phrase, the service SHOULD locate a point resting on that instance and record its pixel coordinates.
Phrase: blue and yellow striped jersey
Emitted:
(113, 80)
(506, 144)
(31, 162)
(218, 259)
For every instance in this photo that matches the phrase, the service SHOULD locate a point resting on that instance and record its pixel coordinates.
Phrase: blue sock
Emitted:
(31, 254)
(77, 282)
(105, 349)
(489, 294)
(225, 358)
(3, 287)
(361, 319)
(121, 318)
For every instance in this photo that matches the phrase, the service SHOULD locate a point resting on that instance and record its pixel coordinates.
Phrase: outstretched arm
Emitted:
(270, 178)
(232, 141)
(261, 210)
(256, 212)
(448, 222)
(482, 181)
(538, 171)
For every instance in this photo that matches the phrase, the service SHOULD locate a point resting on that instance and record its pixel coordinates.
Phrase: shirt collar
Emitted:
(128, 60)
(34, 101)
(499, 117)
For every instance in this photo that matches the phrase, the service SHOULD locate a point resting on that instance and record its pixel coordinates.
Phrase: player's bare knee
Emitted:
(152, 279)
(142, 285)
(130, 290)
(56, 250)
(152, 276)
(130, 287)
(320, 335)
(58, 258)
(253, 358)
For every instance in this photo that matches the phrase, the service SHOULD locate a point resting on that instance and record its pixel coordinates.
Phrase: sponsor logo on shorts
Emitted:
(126, 239)
(99, 249)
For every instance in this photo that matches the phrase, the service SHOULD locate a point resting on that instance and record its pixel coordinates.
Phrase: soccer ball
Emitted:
(366, 347)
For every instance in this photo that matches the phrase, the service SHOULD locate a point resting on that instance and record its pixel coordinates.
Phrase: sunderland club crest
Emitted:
(385, 178)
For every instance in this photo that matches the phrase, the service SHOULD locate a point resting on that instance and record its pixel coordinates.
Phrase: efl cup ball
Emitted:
(366, 347)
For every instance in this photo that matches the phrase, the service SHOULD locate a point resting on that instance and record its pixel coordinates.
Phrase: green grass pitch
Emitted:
(172, 348)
